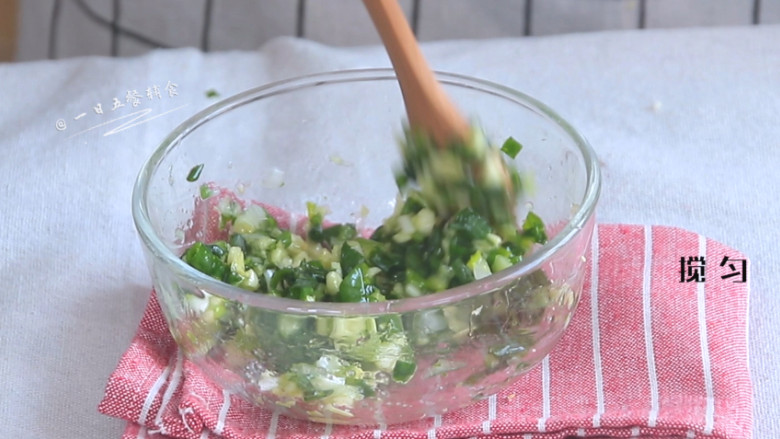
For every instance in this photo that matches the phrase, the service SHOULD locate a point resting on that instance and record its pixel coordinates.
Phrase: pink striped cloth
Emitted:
(646, 355)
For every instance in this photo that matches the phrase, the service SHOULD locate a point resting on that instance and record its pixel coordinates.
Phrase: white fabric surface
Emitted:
(684, 121)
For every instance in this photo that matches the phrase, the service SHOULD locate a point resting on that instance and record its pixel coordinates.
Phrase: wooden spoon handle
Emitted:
(427, 106)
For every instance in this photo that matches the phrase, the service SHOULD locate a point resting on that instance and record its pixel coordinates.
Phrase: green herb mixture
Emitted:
(454, 224)
(455, 228)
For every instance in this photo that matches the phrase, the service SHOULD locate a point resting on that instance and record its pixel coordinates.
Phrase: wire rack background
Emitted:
(63, 28)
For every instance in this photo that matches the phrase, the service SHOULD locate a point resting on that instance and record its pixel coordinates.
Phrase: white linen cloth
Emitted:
(684, 121)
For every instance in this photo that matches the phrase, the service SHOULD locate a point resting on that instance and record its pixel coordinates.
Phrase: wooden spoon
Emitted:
(430, 111)
(427, 106)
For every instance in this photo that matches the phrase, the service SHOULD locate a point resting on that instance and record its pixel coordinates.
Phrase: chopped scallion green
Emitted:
(194, 173)
(511, 147)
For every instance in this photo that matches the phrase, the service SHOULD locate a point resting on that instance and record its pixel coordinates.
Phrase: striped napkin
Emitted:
(657, 348)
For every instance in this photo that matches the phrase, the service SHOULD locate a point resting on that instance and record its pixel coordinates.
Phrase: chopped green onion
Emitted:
(511, 147)
(205, 191)
(194, 173)
(533, 227)
(206, 260)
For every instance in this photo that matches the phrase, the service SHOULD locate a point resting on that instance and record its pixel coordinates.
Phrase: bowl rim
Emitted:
(159, 250)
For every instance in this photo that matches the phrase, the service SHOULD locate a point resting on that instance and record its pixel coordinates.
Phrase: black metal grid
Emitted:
(118, 31)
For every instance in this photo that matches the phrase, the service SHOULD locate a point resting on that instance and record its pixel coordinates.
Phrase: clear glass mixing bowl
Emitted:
(332, 139)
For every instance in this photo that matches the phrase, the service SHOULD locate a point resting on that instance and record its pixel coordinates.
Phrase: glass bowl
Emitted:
(332, 139)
